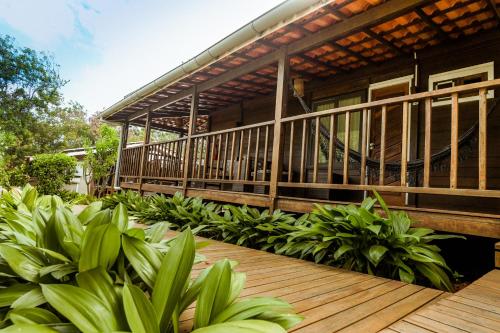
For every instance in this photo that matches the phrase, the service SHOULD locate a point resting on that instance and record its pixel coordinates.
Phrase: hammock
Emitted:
(439, 160)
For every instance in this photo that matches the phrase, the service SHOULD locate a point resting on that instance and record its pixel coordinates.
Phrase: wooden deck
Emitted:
(336, 300)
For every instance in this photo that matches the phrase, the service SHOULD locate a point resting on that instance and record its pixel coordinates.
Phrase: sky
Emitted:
(108, 48)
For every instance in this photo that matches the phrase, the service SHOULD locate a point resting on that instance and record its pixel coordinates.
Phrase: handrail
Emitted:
(166, 141)
(398, 100)
(229, 130)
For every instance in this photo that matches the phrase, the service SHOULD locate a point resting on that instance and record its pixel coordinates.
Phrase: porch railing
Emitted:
(317, 121)
(130, 164)
(165, 160)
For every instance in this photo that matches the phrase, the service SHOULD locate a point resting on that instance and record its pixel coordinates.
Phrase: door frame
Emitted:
(384, 84)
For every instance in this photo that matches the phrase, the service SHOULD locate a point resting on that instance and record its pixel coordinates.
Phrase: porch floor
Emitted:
(336, 300)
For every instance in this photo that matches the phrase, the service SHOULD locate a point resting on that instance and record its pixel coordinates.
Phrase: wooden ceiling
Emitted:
(428, 25)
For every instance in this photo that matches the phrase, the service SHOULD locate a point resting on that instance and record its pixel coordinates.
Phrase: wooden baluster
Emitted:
(240, 153)
(195, 158)
(256, 157)
(233, 156)
(404, 145)
(427, 141)
(290, 152)
(483, 116)
(316, 150)
(364, 139)
(266, 146)
(454, 141)
(219, 148)
(224, 161)
(205, 155)
(176, 158)
(331, 148)
(383, 125)
(247, 162)
(212, 148)
(347, 136)
(303, 151)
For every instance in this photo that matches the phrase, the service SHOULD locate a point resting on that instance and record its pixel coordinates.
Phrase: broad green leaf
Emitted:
(69, 231)
(141, 315)
(33, 316)
(81, 307)
(243, 326)
(90, 212)
(100, 247)
(376, 253)
(31, 299)
(214, 294)
(144, 258)
(120, 217)
(10, 294)
(250, 308)
(98, 282)
(157, 232)
(173, 276)
(341, 250)
(21, 262)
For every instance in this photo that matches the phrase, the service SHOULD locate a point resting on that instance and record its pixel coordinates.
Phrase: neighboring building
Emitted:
(395, 96)
(78, 183)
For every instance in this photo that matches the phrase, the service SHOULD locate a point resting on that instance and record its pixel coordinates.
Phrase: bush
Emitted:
(95, 273)
(356, 238)
(52, 172)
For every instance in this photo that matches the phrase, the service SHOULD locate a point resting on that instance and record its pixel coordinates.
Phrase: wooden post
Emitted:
(454, 141)
(191, 130)
(279, 113)
(427, 143)
(483, 116)
(121, 146)
(147, 136)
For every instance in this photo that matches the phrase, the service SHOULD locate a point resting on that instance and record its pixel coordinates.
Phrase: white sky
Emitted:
(108, 48)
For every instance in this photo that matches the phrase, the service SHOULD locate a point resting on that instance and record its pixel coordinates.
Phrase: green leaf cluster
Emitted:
(95, 272)
(52, 171)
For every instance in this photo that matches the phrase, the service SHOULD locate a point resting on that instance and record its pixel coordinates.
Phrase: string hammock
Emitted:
(439, 160)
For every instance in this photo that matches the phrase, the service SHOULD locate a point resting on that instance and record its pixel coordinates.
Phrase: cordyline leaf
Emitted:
(98, 282)
(285, 320)
(341, 250)
(33, 316)
(214, 294)
(173, 276)
(90, 212)
(250, 308)
(21, 262)
(120, 217)
(31, 299)
(32, 328)
(157, 232)
(69, 231)
(243, 326)
(81, 307)
(144, 258)
(100, 247)
(141, 315)
(9, 295)
(376, 253)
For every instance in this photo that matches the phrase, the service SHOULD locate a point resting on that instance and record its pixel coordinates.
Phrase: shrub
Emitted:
(95, 273)
(52, 172)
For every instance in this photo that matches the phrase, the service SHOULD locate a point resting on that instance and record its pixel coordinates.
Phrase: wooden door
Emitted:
(392, 137)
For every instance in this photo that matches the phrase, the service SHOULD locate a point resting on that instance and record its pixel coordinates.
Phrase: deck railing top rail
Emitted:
(166, 141)
(240, 128)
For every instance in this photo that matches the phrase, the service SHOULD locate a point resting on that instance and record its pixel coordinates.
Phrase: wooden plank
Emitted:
(256, 156)
(454, 142)
(219, 148)
(383, 126)
(266, 148)
(427, 142)
(483, 118)
(240, 153)
(404, 145)
(212, 149)
(290, 152)
(279, 112)
(233, 156)
(316, 150)
(224, 161)
(247, 163)
(364, 140)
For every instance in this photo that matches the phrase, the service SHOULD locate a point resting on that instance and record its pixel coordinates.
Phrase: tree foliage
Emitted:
(33, 116)
(52, 172)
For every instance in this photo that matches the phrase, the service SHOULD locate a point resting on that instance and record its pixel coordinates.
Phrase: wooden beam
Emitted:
(147, 136)
(493, 6)
(279, 112)
(191, 130)
(442, 35)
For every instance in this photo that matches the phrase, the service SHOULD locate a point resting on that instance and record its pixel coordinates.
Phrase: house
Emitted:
(325, 101)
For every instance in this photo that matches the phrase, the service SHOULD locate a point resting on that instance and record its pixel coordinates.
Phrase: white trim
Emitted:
(487, 67)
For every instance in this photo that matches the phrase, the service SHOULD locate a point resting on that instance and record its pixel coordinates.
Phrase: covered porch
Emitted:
(260, 125)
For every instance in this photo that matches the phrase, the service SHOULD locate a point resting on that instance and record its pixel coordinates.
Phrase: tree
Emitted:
(52, 172)
(33, 119)
(100, 158)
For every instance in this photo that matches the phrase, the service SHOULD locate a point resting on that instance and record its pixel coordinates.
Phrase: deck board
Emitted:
(331, 299)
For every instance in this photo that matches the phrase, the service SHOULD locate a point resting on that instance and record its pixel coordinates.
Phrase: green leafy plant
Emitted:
(96, 273)
(52, 171)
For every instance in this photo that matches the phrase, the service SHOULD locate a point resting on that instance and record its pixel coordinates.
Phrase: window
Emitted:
(458, 77)
(355, 125)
